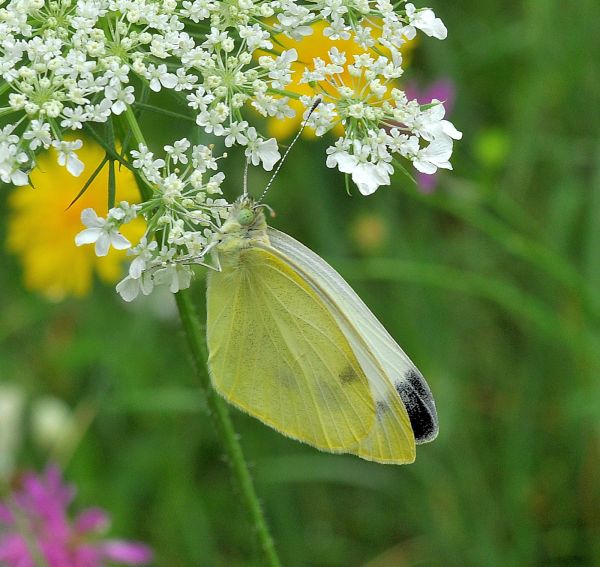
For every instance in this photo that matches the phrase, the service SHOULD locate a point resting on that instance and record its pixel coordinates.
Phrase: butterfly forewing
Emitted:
(394, 379)
(278, 353)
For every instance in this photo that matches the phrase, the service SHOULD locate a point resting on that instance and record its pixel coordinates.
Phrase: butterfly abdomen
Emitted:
(420, 406)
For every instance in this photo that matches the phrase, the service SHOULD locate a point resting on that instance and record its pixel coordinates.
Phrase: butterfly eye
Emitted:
(245, 217)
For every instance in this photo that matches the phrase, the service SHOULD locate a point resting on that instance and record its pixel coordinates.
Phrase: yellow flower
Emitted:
(41, 230)
(309, 47)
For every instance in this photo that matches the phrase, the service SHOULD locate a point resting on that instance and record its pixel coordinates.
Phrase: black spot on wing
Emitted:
(347, 375)
(381, 409)
(286, 378)
(417, 398)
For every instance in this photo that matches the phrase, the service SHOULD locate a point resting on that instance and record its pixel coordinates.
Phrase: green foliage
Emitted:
(490, 284)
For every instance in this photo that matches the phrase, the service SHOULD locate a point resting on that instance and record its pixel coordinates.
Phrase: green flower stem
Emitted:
(164, 112)
(194, 331)
(222, 421)
(135, 127)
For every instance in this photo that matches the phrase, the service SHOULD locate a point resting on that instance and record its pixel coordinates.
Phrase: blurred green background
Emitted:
(490, 284)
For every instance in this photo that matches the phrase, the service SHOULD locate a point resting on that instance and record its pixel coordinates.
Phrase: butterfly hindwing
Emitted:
(278, 353)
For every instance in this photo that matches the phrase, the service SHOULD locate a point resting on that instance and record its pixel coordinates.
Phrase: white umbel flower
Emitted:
(435, 156)
(176, 276)
(368, 172)
(67, 156)
(129, 287)
(104, 233)
(261, 151)
(425, 21)
(65, 65)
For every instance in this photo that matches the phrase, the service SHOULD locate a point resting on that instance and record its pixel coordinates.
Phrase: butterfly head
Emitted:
(246, 214)
(244, 226)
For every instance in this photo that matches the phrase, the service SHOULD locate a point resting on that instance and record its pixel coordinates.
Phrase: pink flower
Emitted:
(35, 515)
(443, 90)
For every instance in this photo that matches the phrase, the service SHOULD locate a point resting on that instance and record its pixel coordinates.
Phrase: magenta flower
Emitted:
(443, 90)
(33, 519)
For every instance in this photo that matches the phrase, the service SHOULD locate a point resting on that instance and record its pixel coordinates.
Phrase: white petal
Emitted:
(128, 288)
(438, 151)
(136, 268)
(102, 244)
(367, 188)
(119, 242)
(74, 165)
(118, 107)
(174, 287)
(426, 21)
(254, 157)
(182, 278)
(88, 236)
(449, 129)
(436, 112)
(409, 32)
(345, 162)
(160, 276)
(269, 160)
(90, 219)
(146, 284)
(19, 178)
(369, 177)
(169, 80)
(424, 166)
(269, 154)
(155, 85)
(290, 55)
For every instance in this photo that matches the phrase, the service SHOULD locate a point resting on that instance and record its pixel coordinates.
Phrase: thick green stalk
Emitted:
(219, 411)
(220, 415)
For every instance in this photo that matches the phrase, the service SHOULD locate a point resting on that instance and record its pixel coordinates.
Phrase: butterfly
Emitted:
(293, 345)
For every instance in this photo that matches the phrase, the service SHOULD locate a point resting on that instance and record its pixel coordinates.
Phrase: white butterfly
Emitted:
(292, 344)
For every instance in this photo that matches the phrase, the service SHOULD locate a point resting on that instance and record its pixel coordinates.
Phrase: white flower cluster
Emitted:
(380, 123)
(182, 214)
(69, 64)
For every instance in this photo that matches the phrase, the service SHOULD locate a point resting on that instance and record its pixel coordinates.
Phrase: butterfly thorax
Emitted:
(245, 227)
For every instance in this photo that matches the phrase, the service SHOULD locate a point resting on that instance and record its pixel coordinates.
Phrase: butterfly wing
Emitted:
(405, 407)
(277, 352)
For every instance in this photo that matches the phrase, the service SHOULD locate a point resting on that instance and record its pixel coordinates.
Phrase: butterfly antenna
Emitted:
(246, 178)
(285, 155)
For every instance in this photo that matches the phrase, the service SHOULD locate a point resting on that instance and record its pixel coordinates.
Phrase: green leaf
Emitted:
(347, 183)
(112, 184)
(89, 181)
(111, 151)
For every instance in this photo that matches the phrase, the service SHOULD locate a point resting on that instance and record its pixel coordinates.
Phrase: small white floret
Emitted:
(100, 232)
